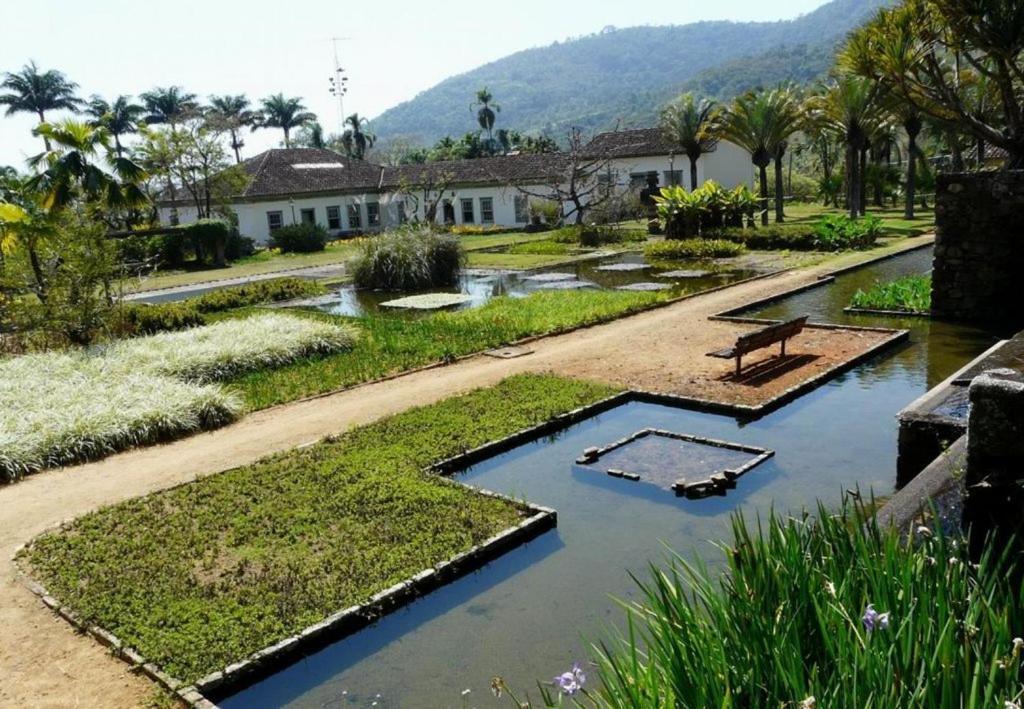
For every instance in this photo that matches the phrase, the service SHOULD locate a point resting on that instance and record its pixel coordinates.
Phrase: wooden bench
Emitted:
(765, 337)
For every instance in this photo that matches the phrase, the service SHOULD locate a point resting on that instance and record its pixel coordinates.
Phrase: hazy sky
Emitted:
(258, 47)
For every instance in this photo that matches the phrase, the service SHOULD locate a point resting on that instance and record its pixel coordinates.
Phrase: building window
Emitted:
(673, 177)
(275, 220)
(308, 216)
(355, 217)
(486, 210)
(468, 215)
(400, 212)
(334, 218)
(373, 214)
(522, 206)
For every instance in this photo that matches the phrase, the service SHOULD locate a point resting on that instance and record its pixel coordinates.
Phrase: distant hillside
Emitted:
(628, 74)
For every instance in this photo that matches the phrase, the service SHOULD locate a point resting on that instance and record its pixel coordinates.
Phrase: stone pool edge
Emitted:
(536, 520)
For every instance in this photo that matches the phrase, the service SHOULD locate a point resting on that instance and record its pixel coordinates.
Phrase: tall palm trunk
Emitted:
(863, 177)
(46, 141)
(852, 181)
(693, 172)
(780, 215)
(908, 207)
(234, 146)
(763, 174)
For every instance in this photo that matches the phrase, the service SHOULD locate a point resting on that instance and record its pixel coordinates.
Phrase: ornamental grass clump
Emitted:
(409, 260)
(67, 407)
(831, 611)
(61, 408)
(230, 347)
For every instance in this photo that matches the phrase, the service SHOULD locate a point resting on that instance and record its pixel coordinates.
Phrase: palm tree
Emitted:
(119, 118)
(355, 140)
(71, 170)
(233, 113)
(851, 108)
(759, 121)
(693, 126)
(33, 91)
(486, 114)
(286, 114)
(169, 105)
(789, 117)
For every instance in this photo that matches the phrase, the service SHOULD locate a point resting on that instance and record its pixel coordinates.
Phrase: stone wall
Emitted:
(979, 249)
(995, 456)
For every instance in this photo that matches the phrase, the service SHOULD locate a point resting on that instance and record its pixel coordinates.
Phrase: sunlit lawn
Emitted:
(892, 217)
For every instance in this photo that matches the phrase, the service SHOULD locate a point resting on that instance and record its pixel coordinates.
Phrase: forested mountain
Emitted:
(626, 75)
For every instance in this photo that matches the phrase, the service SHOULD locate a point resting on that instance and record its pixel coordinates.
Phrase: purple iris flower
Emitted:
(873, 620)
(572, 681)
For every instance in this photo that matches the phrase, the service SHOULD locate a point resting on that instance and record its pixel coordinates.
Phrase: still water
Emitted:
(531, 613)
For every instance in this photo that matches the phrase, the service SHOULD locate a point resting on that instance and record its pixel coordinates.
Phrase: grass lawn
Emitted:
(267, 261)
(202, 575)
(388, 344)
(892, 218)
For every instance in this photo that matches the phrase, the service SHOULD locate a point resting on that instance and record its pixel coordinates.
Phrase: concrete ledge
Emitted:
(911, 505)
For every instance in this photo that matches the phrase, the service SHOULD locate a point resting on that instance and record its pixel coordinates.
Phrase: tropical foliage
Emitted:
(691, 125)
(912, 294)
(709, 207)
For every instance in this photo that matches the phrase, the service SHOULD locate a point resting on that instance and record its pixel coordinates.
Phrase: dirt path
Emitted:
(44, 663)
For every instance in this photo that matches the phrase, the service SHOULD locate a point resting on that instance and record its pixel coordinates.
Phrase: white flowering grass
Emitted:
(218, 351)
(61, 408)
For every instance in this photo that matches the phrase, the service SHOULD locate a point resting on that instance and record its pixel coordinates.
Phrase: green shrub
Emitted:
(593, 235)
(299, 238)
(802, 188)
(409, 260)
(912, 294)
(709, 207)
(256, 293)
(133, 319)
(239, 246)
(774, 237)
(674, 250)
(839, 232)
(791, 619)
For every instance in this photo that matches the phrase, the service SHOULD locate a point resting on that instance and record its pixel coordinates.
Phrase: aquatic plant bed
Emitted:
(907, 295)
(691, 466)
(68, 407)
(428, 301)
(236, 566)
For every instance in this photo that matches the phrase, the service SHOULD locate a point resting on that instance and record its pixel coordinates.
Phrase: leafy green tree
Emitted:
(233, 113)
(789, 119)
(119, 118)
(486, 115)
(37, 92)
(932, 52)
(693, 127)
(355, 140)
(168, 105)
(286, 114)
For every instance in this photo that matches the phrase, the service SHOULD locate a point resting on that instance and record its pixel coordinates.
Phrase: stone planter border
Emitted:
(887, 313)
(262, 663)
(681, 487)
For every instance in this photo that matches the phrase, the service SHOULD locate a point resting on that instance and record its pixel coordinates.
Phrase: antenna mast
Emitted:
(339, 83)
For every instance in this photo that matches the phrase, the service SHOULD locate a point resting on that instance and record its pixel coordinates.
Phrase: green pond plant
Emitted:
(911, 294)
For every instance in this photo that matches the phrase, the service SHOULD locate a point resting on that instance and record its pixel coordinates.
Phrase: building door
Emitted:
(449, 212)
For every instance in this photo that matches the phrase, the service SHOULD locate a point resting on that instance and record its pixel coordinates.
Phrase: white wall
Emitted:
(252, 216)
(186, 215)
(729, 165)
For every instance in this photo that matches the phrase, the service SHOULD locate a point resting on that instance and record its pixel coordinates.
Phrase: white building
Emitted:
(347, 196)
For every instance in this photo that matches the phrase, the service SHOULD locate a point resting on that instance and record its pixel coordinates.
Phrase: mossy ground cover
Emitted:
(388, 344)
(202, 575)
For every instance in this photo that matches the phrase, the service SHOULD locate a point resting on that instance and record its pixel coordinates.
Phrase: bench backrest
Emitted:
(770, 335)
